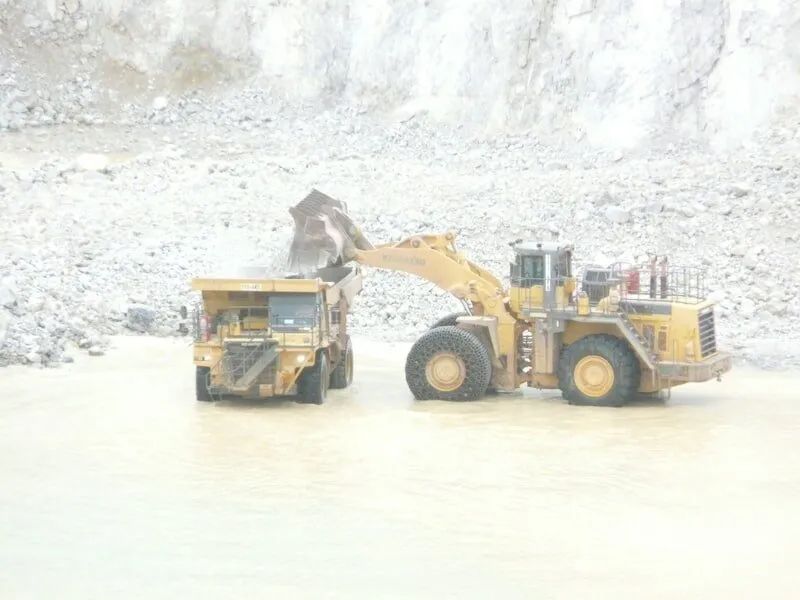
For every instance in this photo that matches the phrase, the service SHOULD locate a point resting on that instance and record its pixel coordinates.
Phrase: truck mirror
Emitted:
(183, 312)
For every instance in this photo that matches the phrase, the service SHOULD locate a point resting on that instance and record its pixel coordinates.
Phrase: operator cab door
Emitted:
(528, 282)
(542, 280)
(563, 281)
(534, 279)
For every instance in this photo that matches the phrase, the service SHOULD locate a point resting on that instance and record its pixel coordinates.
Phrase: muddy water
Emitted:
(115, 483)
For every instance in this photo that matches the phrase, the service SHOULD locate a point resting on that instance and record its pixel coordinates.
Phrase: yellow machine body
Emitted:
(248, 350)
(658, 319)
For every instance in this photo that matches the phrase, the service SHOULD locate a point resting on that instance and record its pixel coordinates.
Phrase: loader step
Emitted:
(637, 341)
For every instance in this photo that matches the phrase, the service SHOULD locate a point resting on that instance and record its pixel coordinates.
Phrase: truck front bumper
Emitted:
(703, 370)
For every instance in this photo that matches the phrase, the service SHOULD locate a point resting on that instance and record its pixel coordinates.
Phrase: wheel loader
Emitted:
(257, 337)
(621, 331)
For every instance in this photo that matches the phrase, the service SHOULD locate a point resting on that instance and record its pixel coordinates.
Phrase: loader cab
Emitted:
(541, 277)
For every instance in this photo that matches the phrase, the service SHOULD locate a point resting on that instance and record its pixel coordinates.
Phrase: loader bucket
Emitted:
(323, 234)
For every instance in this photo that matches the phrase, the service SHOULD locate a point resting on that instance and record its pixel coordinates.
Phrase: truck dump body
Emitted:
(255, 336)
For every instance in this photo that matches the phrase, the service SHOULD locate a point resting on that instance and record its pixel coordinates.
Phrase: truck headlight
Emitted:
(301, 358)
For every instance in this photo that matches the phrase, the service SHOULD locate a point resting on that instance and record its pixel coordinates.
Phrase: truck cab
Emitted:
(259, 337)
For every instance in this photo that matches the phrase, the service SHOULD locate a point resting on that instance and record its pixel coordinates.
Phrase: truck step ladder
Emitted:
(260, 359)
(638, 342)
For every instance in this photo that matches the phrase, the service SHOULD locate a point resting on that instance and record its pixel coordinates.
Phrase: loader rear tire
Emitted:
(448, 320)
(448, 363)
(313, 385)
(598, 370)
(342, 375)
(201, 385)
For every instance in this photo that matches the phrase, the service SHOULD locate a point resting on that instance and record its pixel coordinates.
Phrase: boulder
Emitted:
(8, 298)
(739, 189)
(5, 320)
(617, 214)
(92, 162)
(140, 317)
(160, 103)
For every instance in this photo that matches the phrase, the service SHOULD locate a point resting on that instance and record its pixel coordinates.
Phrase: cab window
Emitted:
(293, 312)
(533, 267)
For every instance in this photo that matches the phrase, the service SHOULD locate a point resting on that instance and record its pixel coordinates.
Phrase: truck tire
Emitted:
(448, 320)
(448, 363)
(342, 375)
(201, 385)
(598, 370)
(313, 385)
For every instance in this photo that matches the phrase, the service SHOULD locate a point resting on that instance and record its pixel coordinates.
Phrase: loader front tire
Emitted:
(448, 320)
(201, 385)
(342, 375)
(313, 385)
(448, 363)
(598, 370)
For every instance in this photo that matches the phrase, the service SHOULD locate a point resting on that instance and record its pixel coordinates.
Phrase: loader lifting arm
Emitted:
(433, 257)
(324, 235)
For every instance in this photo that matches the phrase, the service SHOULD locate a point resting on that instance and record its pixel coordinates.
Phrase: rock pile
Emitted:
(103, 227)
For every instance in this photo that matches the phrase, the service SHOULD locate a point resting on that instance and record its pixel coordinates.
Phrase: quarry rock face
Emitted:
(610, 73)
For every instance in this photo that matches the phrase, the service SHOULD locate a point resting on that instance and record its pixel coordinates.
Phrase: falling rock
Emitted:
(617, 214)
(96, 351)
(33, 358)
(140, 317)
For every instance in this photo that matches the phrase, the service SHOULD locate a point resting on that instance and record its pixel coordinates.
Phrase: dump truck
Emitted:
(258, 337)
(620, 332)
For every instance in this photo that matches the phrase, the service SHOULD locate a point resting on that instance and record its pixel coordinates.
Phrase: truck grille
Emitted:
(708, 336)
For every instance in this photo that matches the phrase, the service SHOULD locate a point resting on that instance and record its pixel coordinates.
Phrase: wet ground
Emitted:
(114, 482)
